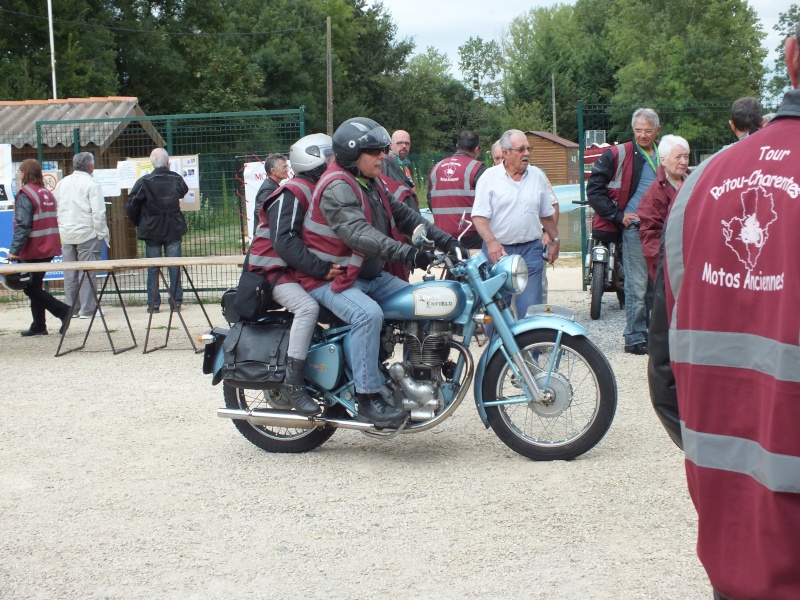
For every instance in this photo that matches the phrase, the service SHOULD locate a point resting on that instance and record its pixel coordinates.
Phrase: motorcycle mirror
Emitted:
(419, 235)
(464, 220)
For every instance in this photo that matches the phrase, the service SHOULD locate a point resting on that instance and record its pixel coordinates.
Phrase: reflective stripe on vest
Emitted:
(616, 183)
(776, 472)
(44, 225)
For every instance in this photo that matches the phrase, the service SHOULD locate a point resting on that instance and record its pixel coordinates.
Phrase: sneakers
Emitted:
(153, 309)
(640, 348)
(98, 313)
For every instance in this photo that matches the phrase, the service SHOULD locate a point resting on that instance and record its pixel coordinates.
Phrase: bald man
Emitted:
(397, 172)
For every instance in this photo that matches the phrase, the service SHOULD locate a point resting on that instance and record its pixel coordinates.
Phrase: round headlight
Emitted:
(519, 274)
(516, 271)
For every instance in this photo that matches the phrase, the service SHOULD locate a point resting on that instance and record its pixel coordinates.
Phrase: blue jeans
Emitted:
(172, 250)
(638, 288)
(531, 252)
(358, 306)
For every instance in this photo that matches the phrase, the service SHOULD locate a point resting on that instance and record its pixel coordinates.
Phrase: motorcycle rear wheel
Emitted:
(584, 404)
(598, 287)
(272, 439)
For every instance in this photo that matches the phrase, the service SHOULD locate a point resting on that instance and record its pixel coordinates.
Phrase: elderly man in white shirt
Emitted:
(513, 203)
(82, 223)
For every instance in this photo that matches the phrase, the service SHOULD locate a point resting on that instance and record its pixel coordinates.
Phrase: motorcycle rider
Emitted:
(278, 251)
(354, 222)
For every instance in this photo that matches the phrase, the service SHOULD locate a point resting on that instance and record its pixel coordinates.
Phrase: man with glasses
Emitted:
(355, 224)
(397, 172)
(619, 179)
(513, 203)
(277, 169)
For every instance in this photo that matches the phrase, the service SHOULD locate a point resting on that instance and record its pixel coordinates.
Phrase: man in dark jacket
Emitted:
(154, 207)
(277, 169)
(396, 171)
(618, 181)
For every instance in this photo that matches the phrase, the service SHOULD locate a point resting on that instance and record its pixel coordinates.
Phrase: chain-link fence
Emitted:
(222, 142)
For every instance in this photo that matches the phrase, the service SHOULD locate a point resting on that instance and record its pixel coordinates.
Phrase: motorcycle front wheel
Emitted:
(583, 397)
(598, 287)
(272, 439)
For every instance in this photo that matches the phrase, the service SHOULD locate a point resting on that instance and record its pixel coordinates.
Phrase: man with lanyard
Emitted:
(396, 172)
(618, 181)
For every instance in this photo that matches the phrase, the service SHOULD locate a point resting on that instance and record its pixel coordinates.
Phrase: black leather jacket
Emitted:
(154, 206)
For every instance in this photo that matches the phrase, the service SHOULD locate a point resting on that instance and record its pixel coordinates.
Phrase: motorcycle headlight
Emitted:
(516, 271)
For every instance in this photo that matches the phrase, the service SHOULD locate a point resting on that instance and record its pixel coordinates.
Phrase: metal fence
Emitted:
(223, 142)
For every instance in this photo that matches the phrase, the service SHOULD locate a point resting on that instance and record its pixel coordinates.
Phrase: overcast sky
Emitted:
(446, 25)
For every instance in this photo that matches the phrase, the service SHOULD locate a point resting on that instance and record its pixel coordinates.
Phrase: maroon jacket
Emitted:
(43, 240)
(733, 283)
(652, 211)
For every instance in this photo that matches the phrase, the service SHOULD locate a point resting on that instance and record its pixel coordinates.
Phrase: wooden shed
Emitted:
(110, 139)
(556, 156)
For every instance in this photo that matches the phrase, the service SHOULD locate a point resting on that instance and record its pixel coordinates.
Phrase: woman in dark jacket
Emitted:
(36, 240)
(657, 200)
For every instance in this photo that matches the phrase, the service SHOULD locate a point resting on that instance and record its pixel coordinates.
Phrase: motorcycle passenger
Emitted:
(355, 223)
(278, 251)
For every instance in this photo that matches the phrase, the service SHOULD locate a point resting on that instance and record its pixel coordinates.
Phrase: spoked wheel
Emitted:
(581, 397)
(273, 439)
(598, 286)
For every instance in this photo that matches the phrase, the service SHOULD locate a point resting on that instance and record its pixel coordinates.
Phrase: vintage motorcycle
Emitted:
(544, 388)
(602, 271)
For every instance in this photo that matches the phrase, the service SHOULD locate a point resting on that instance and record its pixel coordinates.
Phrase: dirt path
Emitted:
(117, 480)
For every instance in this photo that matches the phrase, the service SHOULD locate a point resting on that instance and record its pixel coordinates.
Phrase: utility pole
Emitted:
(330, 80)
(553, 87)
(52, 47)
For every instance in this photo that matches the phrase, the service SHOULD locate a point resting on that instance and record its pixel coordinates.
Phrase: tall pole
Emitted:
(52, 46)
(553, 87)
(330, 80)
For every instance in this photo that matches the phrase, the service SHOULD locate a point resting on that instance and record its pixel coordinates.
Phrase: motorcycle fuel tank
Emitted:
(426, 300)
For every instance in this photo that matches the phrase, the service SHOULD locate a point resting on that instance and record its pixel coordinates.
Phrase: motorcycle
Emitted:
(542, 386)
(603, 272)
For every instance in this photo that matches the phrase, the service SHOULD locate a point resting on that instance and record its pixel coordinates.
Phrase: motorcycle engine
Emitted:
(417, 378)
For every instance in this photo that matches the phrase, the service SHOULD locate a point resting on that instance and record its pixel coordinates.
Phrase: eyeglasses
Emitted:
(643, 131)
(521, 149)
(402, 143)
(376, 151)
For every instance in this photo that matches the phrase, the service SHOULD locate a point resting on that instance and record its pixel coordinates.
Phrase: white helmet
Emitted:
(310, 154)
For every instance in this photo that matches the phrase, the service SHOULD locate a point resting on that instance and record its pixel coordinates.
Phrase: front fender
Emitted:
(600, 254)
(554, 322)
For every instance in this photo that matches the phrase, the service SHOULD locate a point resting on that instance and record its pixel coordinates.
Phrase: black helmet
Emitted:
(356, 135)
(16, 281)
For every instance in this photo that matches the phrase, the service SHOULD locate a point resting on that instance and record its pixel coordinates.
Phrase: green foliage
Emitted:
(481, 63)
(787, 26)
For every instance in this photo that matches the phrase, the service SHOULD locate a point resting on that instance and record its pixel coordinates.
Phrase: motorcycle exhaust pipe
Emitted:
(289, 419)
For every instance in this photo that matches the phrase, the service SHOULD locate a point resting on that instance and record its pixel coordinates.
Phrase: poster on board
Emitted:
(6, 177)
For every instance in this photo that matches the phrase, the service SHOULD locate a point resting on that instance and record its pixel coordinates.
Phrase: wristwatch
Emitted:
(555, 240)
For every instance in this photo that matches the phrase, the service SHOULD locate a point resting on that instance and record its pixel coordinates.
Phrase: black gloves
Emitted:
(451, 246)
(422, 260)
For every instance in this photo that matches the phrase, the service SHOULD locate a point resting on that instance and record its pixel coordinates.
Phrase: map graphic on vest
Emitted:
(747, 234)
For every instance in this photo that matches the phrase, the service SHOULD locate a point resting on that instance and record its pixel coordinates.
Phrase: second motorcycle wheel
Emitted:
(597, 286)
(272, 439)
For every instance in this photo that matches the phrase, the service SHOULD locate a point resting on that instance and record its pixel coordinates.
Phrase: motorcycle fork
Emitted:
(520, 369)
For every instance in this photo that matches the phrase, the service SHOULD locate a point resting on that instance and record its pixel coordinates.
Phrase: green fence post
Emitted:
(581, 144)
(76, 140)
(39, 149)
(302, 115)
(169, 137)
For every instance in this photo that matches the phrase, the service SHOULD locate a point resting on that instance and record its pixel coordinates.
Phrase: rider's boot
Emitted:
(372, 408)
(295, 389)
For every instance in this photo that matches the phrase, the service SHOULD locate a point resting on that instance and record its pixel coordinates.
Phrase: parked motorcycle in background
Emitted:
(543, 387)
(602, 272)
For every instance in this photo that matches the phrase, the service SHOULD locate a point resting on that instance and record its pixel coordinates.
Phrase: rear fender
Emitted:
(552, 322)
(212, 354)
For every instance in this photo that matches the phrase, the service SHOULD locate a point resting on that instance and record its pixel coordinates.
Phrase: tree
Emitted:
(481, 63)
(787, 26)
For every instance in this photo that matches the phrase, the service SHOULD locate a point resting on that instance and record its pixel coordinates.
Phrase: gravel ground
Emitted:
(117, 480)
